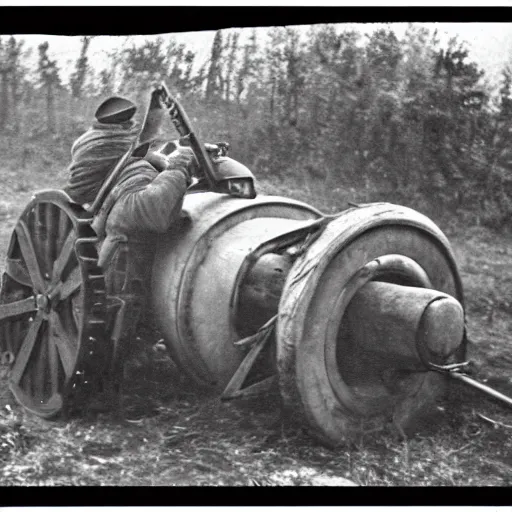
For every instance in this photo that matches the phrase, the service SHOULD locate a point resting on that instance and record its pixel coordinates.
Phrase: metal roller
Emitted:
(197, 278)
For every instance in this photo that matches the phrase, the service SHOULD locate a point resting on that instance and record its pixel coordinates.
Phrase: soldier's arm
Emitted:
(153, 205)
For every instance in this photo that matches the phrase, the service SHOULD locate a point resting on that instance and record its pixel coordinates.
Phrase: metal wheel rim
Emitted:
(55, 329)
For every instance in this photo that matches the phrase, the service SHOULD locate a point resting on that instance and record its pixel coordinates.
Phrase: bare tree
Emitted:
(50, 80)
(78, 77)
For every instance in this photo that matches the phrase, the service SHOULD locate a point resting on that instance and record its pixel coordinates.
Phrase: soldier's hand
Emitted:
(158, 161)
(183, 159)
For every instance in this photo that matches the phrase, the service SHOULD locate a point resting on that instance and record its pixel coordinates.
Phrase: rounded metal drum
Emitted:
(327, 322)
(195, 276)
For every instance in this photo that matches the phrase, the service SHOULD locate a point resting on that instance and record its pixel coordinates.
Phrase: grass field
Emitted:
(186, 438)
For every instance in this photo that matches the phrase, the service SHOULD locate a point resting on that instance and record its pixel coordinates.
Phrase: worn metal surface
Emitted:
(399, 326)
(196, 272)
(260, 292)
(313, 304)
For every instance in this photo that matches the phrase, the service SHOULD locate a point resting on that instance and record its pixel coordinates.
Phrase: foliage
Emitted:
(49, 80)
(77, 79)
(214, 78)
(12, 74)
(405, 118)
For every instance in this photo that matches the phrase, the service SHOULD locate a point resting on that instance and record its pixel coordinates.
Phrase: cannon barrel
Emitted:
(361, 311)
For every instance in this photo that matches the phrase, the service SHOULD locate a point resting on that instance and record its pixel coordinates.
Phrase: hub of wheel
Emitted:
(43, 303)
(407, 326)
(389, 332)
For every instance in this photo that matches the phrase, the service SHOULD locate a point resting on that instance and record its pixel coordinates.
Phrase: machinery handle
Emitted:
(482, 387)
(183, 126)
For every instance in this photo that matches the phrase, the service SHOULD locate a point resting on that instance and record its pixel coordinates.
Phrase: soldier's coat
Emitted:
(142, 204)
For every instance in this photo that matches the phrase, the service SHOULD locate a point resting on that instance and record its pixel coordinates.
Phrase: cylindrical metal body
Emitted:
(403, 326)
(361, 311)
(323, 381)
(260, 292)
(196, 277)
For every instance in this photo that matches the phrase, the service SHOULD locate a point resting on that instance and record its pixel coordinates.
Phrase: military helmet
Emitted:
(115, 110)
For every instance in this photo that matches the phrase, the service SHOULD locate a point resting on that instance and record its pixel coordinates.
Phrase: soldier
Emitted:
(145, 201)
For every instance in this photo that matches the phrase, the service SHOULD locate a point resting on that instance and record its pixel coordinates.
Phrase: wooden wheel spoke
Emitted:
(64, 343)
(53, 364)
(71, 284)
(51, 216)
(29, 255)
(17, 308)
(25, 351)
(63, 258)
(17, 271)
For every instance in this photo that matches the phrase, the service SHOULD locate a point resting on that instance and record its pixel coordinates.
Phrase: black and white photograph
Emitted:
(255, 246)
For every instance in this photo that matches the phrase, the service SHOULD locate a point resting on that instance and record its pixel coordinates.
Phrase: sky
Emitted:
(490, 44)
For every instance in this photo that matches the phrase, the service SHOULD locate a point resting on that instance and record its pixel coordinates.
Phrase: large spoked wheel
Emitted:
(53, 306)
(324, 378)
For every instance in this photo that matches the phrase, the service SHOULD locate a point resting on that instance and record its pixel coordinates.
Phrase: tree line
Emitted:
(404, 117)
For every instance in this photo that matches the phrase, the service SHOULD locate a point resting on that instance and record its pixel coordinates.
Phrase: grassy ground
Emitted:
(186, 438)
